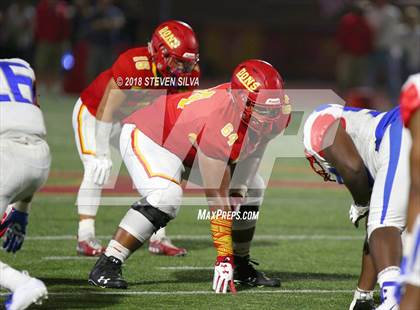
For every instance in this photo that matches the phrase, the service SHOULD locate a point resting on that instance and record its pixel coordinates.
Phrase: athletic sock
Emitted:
(11, 278)
(362, 294)
(388, 281)
(86, 229)
(221, 232)
(117, 250)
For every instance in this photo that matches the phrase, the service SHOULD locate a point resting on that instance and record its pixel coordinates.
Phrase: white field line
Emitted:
(61, 258)
(140, 293)
(185, 268)
(69, 258)
(197, 201)
(207, 237)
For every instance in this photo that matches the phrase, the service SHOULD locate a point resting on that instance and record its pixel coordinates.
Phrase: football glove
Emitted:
(356, 213)
(223, 275)
(101, 169)
(13, 226)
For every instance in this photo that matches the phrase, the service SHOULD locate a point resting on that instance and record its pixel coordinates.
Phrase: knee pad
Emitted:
(155, 216)
(143, 220)
(167, 200)
(137, 225)
(246, 223)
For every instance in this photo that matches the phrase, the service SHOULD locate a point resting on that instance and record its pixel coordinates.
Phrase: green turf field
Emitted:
(303, 236)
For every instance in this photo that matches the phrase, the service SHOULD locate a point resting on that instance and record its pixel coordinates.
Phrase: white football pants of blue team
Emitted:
(390, 163)
(24, 166)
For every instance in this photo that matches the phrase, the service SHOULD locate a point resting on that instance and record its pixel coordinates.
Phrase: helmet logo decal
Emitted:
(169, 38)
(189, 55)
(273, 101)
(247, 80)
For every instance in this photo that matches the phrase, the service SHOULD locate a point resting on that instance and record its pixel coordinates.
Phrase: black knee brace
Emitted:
(158, 218)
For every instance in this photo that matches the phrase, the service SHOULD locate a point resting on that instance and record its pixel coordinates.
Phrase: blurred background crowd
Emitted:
(362, 49)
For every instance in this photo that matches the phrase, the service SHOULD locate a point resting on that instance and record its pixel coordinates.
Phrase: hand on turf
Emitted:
(102, 169)
(13, 226)
(223, 275)
(356, 213)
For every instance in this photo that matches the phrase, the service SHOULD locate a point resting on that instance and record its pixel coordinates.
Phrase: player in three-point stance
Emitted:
(410, 112)
(368, 152)
(172, 52)
(24, 166)
(224, 128)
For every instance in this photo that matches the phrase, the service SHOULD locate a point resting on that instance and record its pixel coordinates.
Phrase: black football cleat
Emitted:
(107, 273)
(364, 304)
(245, 273)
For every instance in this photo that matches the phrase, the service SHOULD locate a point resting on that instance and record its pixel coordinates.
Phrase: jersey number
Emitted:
(10, 83)
(141, 63)
(229, 133)
(195, 96)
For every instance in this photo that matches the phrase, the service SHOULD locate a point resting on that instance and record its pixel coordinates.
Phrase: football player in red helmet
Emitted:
(226, 130)
(172, 52)
(261, 109)
(410, 267)
(174, 49)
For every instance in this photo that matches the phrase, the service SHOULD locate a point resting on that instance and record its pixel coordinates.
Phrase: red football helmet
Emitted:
(257, 88)
(174, 48)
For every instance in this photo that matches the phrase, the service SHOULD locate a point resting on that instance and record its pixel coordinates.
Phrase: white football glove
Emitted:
(101, 169)
(356, 213)
(223, 275)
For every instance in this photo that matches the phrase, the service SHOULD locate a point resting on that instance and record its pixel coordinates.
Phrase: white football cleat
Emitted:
(32, 292)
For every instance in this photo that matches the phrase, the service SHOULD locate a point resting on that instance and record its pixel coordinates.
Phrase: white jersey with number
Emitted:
(24, 154)
(383, 144)
(19, 112)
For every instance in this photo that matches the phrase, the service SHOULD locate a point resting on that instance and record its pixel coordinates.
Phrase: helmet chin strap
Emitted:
(150, 49)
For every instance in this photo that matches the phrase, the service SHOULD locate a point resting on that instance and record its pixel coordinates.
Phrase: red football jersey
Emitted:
(208, 118)
(410, 101)
(134, 69)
